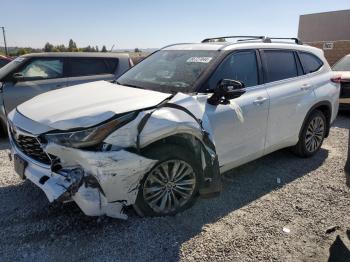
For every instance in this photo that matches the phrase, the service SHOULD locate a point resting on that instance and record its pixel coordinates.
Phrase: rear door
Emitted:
(290, 94)
(89, 69)
(36, 76)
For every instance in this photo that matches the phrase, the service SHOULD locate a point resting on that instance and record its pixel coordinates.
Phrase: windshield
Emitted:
(169, 70)
(343, 64)
(10, 66)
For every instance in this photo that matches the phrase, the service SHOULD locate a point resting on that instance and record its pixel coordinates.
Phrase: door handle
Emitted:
(260, 100)
(306, 87)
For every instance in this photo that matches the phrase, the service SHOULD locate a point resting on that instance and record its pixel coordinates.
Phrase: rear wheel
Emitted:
(172, 184)
(312, 135)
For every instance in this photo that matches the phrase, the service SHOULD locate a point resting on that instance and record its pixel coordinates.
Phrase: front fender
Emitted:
(164, 122)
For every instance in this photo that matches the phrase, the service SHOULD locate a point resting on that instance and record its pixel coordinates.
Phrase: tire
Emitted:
(3, 132)
(312, 135)
(153, 186)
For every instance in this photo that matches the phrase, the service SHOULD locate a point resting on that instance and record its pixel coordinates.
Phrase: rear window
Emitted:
(92, 66)
(310, 62)
(280, 64)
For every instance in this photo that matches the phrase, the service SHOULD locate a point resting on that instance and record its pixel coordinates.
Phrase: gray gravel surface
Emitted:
(245, 223)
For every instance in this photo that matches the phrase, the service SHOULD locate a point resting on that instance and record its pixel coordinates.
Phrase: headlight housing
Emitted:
(91, 136)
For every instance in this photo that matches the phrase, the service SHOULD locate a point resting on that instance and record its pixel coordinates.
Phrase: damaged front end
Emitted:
(104, 181)
(101, 182)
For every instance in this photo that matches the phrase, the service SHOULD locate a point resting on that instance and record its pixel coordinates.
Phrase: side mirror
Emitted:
(17, 77)
(226, 90)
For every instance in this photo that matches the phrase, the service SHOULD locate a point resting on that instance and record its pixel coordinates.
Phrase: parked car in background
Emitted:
(173, 123)
(4, 60)
(33, 74)
(343, 68)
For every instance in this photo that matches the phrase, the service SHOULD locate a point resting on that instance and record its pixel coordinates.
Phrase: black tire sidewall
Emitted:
(313, 115)
(164, 153)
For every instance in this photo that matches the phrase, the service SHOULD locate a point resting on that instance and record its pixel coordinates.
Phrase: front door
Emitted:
(239, 128)
(37, 76)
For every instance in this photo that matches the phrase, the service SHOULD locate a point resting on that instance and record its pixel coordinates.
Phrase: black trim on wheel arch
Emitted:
(313, 108)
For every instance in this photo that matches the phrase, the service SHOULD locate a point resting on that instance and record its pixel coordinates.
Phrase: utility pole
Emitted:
(3, 33)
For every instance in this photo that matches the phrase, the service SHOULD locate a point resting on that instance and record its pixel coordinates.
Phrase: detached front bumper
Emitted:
(101, 183)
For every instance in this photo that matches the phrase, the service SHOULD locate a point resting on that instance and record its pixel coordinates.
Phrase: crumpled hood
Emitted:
(88, 104)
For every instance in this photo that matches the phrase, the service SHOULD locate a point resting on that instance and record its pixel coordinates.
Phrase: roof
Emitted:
(78, 54)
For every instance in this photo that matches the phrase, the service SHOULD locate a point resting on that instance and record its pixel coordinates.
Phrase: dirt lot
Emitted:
(245, 223)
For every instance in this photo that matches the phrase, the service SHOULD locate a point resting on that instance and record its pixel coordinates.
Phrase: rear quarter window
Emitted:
(310, 62)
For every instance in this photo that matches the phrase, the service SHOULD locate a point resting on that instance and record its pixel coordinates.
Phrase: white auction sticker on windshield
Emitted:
(203, 59)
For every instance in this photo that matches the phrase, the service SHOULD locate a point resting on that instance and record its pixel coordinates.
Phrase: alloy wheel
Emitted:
(314, 134)
(169, 186)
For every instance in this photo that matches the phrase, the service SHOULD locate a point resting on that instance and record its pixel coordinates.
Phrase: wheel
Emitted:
(172, 184)
(312, 135)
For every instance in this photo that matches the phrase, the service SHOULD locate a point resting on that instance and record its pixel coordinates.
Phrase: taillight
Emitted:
(336, 79)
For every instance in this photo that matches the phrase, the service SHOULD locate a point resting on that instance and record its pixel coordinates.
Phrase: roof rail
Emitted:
(264, 39)
(296, 40)
(248, 37)
(174, 45)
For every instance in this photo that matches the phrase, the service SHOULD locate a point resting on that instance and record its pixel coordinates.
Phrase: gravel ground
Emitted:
(245, 223)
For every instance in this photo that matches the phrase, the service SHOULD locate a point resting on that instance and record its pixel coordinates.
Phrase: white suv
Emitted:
(173, 123)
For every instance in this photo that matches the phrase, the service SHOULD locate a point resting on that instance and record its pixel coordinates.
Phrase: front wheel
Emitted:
(312, 135)
(172, 184)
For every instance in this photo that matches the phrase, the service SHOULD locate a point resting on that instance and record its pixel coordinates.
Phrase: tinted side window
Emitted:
(112, 64)
(3, 62)
(240, 66)
(91, 66)
(310, 62)
(280, 64)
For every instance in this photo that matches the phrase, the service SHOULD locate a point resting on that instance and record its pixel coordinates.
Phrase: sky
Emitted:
(150, 23)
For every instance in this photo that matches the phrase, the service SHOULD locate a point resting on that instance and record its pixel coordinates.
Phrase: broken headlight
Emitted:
(91, 136)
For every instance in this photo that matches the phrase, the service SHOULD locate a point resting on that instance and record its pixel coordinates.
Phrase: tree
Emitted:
(96, 48)
(22, 51)
(137, 50)
(104, 49)
(48, 47)
(72, 46)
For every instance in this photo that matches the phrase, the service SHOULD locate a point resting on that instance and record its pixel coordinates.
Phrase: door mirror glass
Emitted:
(226, 90)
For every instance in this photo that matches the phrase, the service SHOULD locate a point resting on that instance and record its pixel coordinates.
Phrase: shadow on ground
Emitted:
(338, 252)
